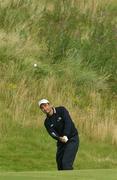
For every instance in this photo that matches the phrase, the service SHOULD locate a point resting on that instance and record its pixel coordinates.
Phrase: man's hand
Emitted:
(64, 139)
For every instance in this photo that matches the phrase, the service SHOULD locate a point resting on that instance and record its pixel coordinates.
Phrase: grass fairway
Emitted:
(105, 174)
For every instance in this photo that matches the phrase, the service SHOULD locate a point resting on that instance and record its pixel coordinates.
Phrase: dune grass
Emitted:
(74, 46)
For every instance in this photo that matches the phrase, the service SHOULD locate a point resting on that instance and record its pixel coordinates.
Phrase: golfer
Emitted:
(61, 127)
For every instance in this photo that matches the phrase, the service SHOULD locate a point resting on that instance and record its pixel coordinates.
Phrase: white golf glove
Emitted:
(64, 139)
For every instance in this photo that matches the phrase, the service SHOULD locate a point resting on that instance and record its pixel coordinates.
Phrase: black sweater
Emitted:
(60, 124)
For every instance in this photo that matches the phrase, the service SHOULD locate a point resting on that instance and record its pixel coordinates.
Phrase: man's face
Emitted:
(46, 108)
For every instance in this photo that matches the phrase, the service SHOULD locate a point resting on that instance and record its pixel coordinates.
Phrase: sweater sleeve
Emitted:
(67, 121)
(51, 132)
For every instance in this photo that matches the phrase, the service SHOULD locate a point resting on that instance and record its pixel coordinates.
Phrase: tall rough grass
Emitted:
(74, 46)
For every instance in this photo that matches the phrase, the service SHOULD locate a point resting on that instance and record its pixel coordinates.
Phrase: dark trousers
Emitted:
(66, 153)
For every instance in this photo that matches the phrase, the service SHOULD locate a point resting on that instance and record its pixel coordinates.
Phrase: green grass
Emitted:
(30, 149)
(71, 175)
(74, 46)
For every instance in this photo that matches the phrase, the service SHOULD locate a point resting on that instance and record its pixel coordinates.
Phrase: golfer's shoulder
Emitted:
(61, 109)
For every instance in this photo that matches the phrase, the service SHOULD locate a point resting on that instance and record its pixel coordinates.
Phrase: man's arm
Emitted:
(55, 135)
(52, 132)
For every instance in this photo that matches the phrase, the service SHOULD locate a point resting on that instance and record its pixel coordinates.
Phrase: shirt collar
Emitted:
(54, 112)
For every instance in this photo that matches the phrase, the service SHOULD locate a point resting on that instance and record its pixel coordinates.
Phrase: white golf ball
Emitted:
(35, 65)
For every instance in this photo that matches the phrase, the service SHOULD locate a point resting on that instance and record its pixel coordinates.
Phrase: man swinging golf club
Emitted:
(61, 127)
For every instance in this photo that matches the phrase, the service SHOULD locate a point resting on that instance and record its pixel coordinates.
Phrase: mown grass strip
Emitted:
(97, 174)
